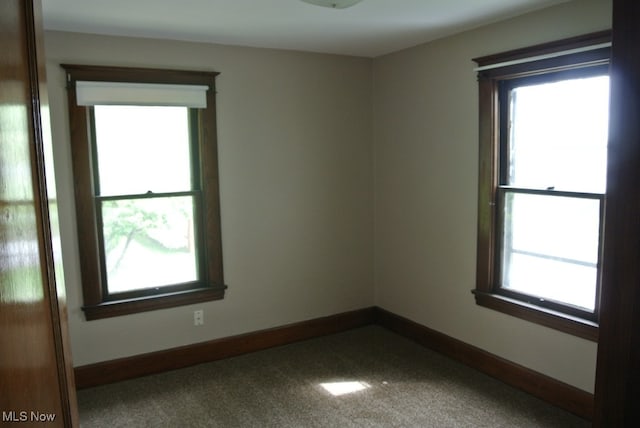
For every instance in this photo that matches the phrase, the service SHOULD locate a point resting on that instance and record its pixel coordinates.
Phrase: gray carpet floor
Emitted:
(401, 384)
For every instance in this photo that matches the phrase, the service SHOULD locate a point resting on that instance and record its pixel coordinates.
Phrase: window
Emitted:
(144, 156)
(543, 146)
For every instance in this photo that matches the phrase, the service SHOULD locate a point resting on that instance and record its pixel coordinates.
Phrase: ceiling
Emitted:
(370, 28)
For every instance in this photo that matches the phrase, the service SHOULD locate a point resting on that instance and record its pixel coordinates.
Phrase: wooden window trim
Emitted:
(96, 303)
(489, 151)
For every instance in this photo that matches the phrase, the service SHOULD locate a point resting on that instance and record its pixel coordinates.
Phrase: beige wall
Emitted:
(425, 135)
(296, 190)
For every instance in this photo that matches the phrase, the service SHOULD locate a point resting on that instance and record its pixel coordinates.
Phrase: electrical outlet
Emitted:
(198, 317)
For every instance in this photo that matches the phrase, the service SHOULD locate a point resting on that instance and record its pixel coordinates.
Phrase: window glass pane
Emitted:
(551, 247)
(142, 148)
(149, 242)
(552, 280)
(558, 135)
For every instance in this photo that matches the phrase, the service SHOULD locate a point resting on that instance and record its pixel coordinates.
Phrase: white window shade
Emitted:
(118, 93)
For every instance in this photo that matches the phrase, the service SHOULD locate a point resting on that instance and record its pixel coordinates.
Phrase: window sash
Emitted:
(498, 284)
(504, 89)
(193, 143)
(197, 197)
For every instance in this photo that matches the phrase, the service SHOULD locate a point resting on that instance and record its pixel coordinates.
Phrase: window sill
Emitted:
(585, 329)
(150, 303)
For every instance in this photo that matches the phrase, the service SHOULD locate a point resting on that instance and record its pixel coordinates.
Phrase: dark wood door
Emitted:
(36, 381)
(617, 396)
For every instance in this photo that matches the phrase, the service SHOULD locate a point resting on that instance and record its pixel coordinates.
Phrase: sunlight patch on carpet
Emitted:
(342, 388)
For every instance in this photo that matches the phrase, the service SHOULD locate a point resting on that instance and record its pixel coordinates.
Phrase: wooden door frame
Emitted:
(617, 392)
(37, 373)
